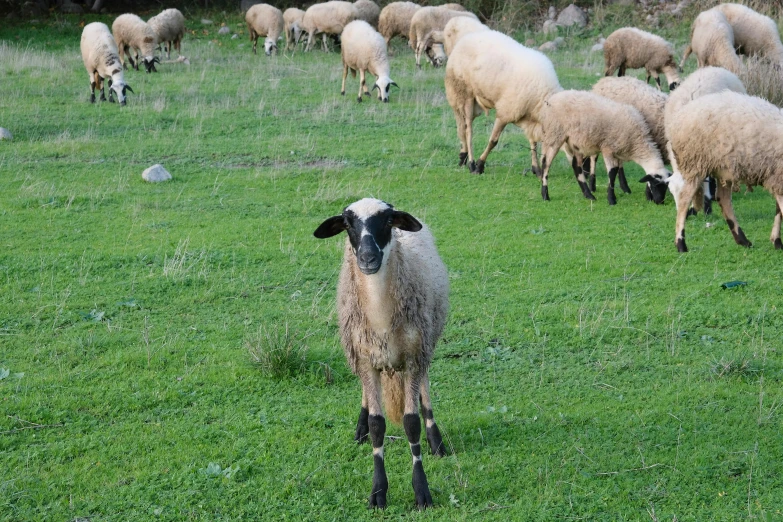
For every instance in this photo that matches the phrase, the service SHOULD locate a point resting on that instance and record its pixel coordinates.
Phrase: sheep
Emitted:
(754, 33)
(588, 124)
(395, 19)
(169, 27)
(364, 49)
(426, 20)
(712, 41)
(513, 79)
(633, 48)
(368, 11)
(101, 59)
(455, 29)
(392, 302)
(650, 102)
(327, 18)
(131, 32)
(265, 20)
(292, 20)
(453, 7)
(734, 138)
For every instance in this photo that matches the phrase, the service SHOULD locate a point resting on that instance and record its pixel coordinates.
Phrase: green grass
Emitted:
(587, 371)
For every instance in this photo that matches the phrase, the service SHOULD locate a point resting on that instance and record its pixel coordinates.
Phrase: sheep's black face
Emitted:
(656, 189)
(149, 64)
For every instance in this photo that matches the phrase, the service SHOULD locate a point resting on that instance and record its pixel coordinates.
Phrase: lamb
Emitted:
(426, 20)
(101, 59)
(514, 80)
(327, 18)
(395, 19)
(265, 20)
(633, 48)
(392, 302)
(455, 29)
(588, 124)
(368, 11)
(754, 33)
(712, 41)
(734, 138)
(364, 49)
(131, 32)
(292, 20)
(169, 27)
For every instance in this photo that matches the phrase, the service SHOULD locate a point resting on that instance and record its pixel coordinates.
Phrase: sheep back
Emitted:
(368, 11)
(99, 51)
(265, 20)
(458, 27)
(428, 19)
(754, 33)
(329, 17)
(395, 19)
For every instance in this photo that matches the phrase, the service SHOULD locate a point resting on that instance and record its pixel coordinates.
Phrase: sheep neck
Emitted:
(375, 294)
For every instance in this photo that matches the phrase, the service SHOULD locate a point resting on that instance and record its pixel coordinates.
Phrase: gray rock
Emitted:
(156, 174)
(554, 45)
(597, 48)
(530, 42)
(205, 21)
(5, 134)
(552, 13)
(224, 30)
(550, 27)
(572, 15)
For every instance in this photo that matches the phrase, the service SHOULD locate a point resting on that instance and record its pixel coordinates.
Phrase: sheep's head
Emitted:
(657, 183)
(149, 63)
(118, 86)
(383, 84)
(369, 223)
(297, 31)
(269, 46)
(436, 54)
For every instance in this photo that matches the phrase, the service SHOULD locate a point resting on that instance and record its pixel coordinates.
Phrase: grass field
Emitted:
(588, 371)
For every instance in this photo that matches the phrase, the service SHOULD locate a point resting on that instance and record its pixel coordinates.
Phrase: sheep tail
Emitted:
(688, 51)
(393, 396)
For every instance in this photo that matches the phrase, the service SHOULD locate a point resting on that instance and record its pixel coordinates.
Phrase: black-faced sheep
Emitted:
(425, 21)
(292, 20)
(265, 20)
(328, 18)
(131, 32)
(101, 59)
(364, 49)
(633, 48)
(392, 302)
(169, 27)
(395, 19)
(712, 41)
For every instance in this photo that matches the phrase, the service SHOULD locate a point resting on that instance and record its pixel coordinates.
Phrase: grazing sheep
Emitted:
(395, 19)
(426, 20)
(453, 7)
(734, 138)
(368, 11)
(633, 48)
(512, 79)
(588, 124)
(754, 33)
(102, 60)
(328, 18)
(131, 32)
(265, 20)
(392, 302)
(455, 29)
(712, 41)
(169, 27)
(292, 20)
(364, 49)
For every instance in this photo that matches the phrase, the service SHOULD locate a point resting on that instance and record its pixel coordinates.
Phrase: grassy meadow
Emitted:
(170, 351)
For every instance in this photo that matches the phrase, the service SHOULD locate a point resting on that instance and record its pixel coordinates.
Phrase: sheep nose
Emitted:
(386, 100)
(122, 103)
(368, 258)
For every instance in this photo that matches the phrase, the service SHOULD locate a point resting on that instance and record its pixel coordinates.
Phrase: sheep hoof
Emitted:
(472, 167)
(589, 195)
(611, 197)
(92, 98)
(377, 498)
(681, 245)
(463, 158)
(778, 244)
(480, 166)
(359, 99)
(366, 93)
(420, 487)
(545, 192)
(342, 93)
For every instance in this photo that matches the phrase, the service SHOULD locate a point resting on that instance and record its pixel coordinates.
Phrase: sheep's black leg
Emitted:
(434, 437)
(421, 489)
(362, 426)
(724, 198)
(463, 158)
(610, 190)
(589, 175)
(775, 236)
(103, 94)
(380, 484)
(658, 81)
(580, 178)
(92, 92)
(623, 182)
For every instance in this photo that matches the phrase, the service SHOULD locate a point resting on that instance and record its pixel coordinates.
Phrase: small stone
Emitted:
(548, 46)
(224, 30)
(597, 48)
(234, 36)
(530, 42)
(572, 15)
(204, 21)
(5, 134)
(156, 174)
(550, 27)
(552, 13)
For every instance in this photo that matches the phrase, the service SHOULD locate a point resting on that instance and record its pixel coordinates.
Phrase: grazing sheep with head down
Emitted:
(425, 21)
(395, 19)
(169, 27)
(754, 33)
(455, 29)
(292, 20)
(364, 49)
(392, 302)
(712, 41)
(368, 11)
(131, 32)
(265, 20)
(633, 48)
(328, 18)
(101, 59)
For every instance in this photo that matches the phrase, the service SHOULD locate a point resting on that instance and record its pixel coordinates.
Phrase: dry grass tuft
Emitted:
(763, 79)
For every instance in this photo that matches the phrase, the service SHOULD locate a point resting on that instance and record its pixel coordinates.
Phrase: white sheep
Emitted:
(712, 41)
(754, 33)
(512, 79)
(292, 19)
(395, 19)
(265, 20)
(328, 18)
(736, 139)
(426, 20)
(588, 124)
(455, 29)
(364, 49)
(102, 60)
(633, 48)
(368, 11)
(169, 27)
(453, 7)
(131, 32)
(392, 302)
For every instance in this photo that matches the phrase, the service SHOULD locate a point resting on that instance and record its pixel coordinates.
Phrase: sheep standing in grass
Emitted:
(169, 27)
(395, 19)
(101, 59)
(328, 18)
(455, 29)
(754, 33)
(736, 139)
(292, 20)
(712, 41)
(426, 20)
(131, 32)
(635, 49)
(368, 11)
(512, 79)
(589, 124)
(264, 20)
(364, 49)
(392, 302)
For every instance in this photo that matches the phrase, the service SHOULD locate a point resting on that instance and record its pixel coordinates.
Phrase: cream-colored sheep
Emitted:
(169, 27)
(328, 18)
(712, 41)
(736, 139)
(453, 7)
(589, 124)
(754, 33)
(364, 49)
(368, 11)
(102, 60)
(265, 20)
(292, 20)
(426, 20)
(512, 79)
(131, 32)
(395, 19)
(633, 48)
(455, 29)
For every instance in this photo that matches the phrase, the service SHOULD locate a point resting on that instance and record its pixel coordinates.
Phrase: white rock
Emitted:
(224, 30)
(155, 174)
(204, 21)
(597, 48)
(5, 134)
(572, 15)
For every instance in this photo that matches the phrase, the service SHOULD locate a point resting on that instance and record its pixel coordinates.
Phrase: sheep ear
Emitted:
(128, 88)
(395, 84)
(331, 227)
(374, 87)
(405, 221)
(652, 179)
